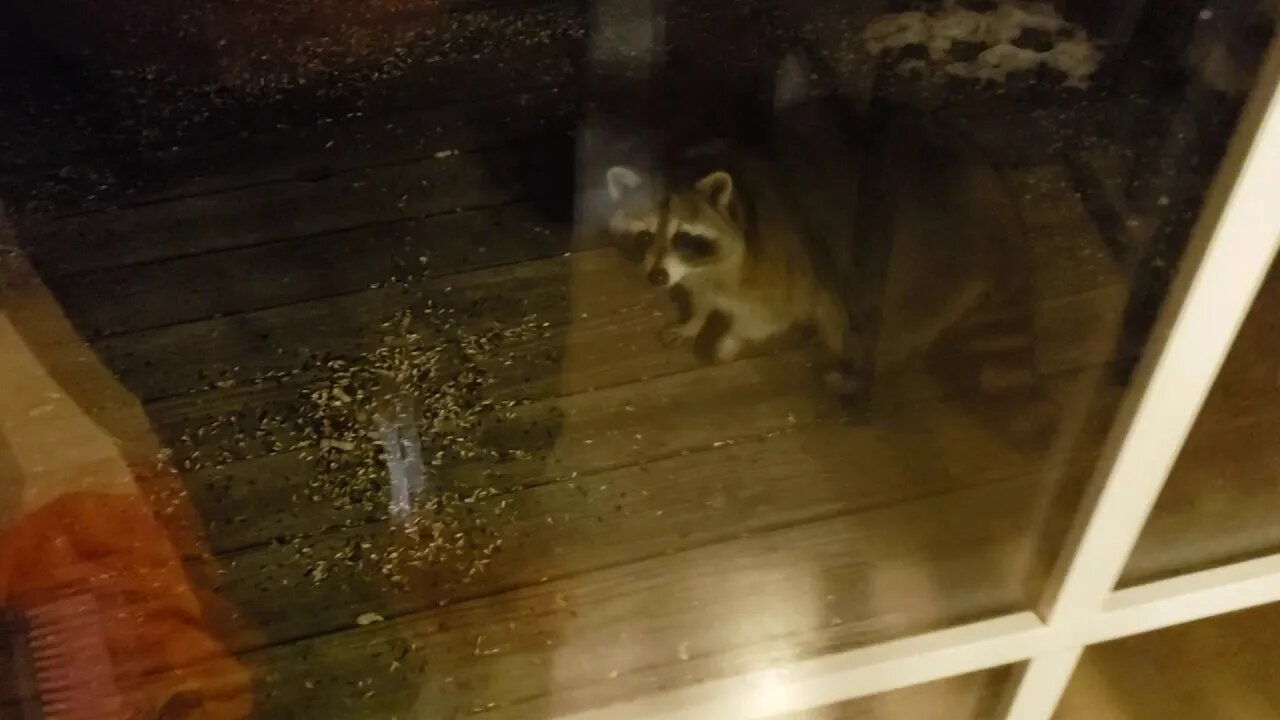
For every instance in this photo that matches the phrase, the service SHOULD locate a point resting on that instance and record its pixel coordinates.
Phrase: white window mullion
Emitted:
(1230, 250)
(1187, 598)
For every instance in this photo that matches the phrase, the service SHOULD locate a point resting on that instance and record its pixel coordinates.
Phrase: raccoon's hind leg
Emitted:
(847, 376)
(833, 326)
(991, 364)
(746, 325)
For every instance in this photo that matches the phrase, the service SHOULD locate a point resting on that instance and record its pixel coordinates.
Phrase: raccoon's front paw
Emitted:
(677, 334)
(727, 348)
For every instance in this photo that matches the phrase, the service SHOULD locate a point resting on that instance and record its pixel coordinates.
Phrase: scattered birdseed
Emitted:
(430, 358)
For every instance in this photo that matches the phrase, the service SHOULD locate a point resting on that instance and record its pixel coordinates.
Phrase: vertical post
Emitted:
(624, 57)
(1040, 684)
(1232, 246)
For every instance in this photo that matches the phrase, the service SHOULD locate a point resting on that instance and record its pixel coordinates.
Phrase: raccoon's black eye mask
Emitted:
(635, 247)
(692, 247)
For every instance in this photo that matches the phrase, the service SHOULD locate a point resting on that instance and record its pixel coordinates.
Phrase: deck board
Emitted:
(674, 490)
(240, 218)
(311, 267)
(620, 631)
(906, 551)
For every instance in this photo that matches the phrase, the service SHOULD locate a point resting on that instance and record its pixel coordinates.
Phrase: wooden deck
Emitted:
(662, 521)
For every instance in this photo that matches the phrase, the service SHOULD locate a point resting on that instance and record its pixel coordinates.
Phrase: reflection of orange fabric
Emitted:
(112, 547)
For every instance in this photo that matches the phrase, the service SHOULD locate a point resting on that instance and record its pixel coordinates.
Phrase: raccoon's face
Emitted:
(677, 237)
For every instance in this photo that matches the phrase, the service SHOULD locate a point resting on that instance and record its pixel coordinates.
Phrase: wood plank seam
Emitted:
(766, 529)
(404, 159)
(275, 240)
(319, 235)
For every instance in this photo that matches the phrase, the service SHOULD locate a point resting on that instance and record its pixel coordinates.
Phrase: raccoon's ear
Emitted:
(621, 181)
(717, 188)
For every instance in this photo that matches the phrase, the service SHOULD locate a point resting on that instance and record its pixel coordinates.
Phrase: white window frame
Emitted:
(1230, 250)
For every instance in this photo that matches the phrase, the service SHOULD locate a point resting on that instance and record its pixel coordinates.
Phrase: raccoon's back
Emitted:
(949, 228)
(785, 266)
(957, 289)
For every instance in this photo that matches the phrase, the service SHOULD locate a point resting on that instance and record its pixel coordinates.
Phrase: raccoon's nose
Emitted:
(658, 276)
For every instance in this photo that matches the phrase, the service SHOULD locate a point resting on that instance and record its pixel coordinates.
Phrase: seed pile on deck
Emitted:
(430, 358)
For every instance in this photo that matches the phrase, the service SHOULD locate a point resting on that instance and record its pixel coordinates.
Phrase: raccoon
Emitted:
(727, 239)
(797, 242)
(885, 229)
(956, 293)
(955, 246)
(921, 231)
